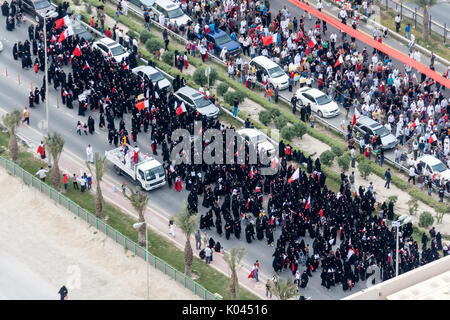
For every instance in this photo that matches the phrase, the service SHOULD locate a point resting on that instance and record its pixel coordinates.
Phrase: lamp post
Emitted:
(403, 219)
(137, 226)
(46, 81)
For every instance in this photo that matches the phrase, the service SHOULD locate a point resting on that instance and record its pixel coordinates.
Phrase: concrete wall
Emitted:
(382, 290)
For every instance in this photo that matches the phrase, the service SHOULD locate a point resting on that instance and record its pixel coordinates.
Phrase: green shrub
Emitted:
(89, 8)
(337, 150)
(201, 79)
(222, 88)
(327, 157)
(392, 199)
(265, 117)
(280, 122)
(288, 132)
(168, 57)
(152, 45)
(132, 34)
(274, 113)
(426, 219)
(344, 161)
(76, 2)
(145, 35)
(364, 168)
(300, 129)
(230, 95)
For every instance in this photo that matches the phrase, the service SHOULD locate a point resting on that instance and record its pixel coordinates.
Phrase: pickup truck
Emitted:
(147, 172)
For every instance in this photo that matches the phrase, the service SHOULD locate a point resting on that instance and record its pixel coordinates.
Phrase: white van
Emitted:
(171, 11)
(275, 73)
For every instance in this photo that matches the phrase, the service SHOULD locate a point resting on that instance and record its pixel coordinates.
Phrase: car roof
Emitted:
(312, 91)
(429, 159)
(368, 122)
(166, 4)
(249, 132)
(107, 41)
(217, 33)
(264, 61)
(191, 92)
(145, 69)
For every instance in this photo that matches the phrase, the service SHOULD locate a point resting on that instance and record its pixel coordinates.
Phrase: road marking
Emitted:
(70, 115)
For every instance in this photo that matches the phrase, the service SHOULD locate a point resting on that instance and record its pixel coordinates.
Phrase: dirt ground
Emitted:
(53, 248)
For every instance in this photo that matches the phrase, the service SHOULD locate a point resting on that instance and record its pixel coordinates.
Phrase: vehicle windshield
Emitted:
(156, 77)
(77, 29)
(175, 13)
(151, 174)
(117, 51)
(258, 139)
(276, 72)
(439, 167)
(223, 39)
(324, 99)
(202, 102)
(41, 4)
(382, 132)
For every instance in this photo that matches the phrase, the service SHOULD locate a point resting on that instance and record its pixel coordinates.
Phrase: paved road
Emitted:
(63, 121)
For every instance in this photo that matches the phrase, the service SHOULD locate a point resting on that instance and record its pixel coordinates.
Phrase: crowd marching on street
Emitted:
(241, 202)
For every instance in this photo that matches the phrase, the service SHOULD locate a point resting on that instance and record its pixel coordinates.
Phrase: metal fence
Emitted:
(57, 197)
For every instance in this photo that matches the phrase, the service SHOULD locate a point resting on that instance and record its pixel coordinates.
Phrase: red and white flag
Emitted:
(432, 138)
(339, 61)
(312, 42)
(307, 203)
(64, 21)
(86, 65)
(274, 162)
(65, 34)
(181, 108)
(252, 172)
(354, 119)
(294, 176)
(77, 51)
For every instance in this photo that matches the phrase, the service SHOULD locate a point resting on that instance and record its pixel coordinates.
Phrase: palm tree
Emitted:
(55, 145)
(100, 168)
(139, 200)
(425, 4)
(285, 289)
(233, 260)
(12, 121)
(188, 224)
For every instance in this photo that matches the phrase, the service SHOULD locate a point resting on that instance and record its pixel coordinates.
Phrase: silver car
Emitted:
(150, 73)
(194, 99)
(365, 124)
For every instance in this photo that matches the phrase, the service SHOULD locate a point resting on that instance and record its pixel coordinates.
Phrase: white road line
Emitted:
(70, 115)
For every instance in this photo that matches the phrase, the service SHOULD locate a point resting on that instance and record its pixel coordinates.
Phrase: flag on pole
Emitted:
(274, 162)
(86, 65)
(267, 40)
(294, 176)
(307, 203)
(63, 21)
(432, 138)
(77, 51)
(354, 119)
(181, 108)
(339, 61)
(312, 42)
(65, 34)
(252, 172)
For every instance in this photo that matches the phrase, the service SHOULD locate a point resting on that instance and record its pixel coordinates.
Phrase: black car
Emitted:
(39, 8)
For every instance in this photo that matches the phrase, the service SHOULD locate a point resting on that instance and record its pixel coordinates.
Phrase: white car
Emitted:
(109, 47)
(434, 166)
(273, 71)
(256, 137)
(320, 102)
(150, 73)
(171, 11)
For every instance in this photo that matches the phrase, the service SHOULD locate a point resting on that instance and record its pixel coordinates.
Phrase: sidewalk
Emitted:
(112, 193)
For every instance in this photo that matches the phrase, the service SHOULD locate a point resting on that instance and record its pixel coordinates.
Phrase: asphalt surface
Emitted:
(63, 120)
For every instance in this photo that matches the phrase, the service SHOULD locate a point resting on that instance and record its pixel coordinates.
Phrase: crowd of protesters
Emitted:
(348, 237)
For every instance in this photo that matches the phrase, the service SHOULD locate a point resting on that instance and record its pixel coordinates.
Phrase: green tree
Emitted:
(145, 35)
(300, 129)
(12, 121)
(153, 45)
(168, 57)
(55, 145)
(426, 5)
(201, 79)
(222, 88)
(285, 289)
(327, 157)
(139, 200)
(413, 205)
(100, 168)
(364, 168)
(337, 150)
(188, 224)
(287, 132)
(344, 162)
(274, 112)
(280, 122)
(426, 219)
(441, 211)
(233, 260)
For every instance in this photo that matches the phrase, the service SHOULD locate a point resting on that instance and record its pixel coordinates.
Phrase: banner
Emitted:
(394, 54)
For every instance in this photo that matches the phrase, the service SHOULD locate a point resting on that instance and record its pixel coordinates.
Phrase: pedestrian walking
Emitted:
(63, 292)
(75, 182)
(83, 182)
(269, 285)
(79, 127)
(65, 178)
(353, 155)
(171, 228)
(124, 188)
(41, 150)
(412, 174)
(387, 175)
(42, 173)
(208, 254)
(26, 116)
(89, 154)
(198, 240)
(235, 107)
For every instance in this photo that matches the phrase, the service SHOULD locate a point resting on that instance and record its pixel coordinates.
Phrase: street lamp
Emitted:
(137, 226)
(46, 80)
(403, 219)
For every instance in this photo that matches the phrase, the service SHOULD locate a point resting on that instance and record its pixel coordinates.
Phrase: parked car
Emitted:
(220, 40)
(39, 9)
(194, 99)
(150, 73)
(80, 31)
(320, 102)
(257, 138)
(365, 124)
(171, 11)
(143, 4)
(112, 48)
(434, 166)
(275, 73)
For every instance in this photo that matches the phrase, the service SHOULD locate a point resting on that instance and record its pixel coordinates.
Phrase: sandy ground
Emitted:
(311, 145)
(45, 247)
